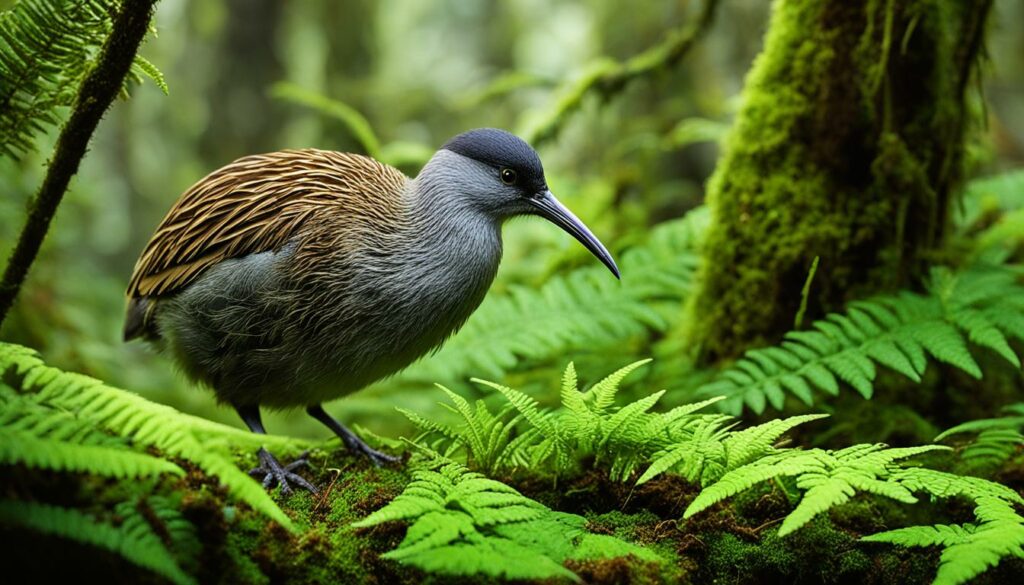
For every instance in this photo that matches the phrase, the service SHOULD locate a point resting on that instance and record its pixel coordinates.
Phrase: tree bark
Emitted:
(849, 147)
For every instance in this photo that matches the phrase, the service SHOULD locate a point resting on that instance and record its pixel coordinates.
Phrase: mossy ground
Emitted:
(735, 541)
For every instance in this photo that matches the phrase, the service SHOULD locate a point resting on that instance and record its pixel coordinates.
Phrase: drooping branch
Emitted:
(608, 78)
(98, 90)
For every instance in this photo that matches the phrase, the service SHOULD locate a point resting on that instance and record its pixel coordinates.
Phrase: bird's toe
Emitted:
(377, 457)
(273, 473)
(300, 462)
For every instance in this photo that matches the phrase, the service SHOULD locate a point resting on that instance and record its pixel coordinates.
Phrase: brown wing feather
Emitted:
(254, 204)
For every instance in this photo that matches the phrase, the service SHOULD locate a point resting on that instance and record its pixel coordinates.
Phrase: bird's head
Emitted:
(500, 175)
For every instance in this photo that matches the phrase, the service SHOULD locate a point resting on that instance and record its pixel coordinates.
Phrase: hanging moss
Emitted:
(848, 146)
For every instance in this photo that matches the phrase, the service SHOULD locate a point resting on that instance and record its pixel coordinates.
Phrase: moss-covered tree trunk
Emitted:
(849, 146)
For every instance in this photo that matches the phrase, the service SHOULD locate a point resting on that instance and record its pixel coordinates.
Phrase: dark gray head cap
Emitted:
(502, 149)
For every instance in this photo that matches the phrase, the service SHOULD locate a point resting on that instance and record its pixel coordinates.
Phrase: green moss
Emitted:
(244, 547)
(848, 146)
(817, 553)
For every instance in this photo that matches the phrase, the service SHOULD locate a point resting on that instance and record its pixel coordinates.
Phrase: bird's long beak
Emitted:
(552, 210)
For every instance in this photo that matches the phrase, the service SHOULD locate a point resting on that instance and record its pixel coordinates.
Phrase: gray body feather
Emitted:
(265, 329)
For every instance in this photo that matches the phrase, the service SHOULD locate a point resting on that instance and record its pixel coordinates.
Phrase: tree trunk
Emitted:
(849, 146)
(243, 117)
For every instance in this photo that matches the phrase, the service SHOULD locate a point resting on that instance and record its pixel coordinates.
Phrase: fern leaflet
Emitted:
(134, 539)
(145, 423)
(46, 49)
(462, 523)
(983, 306)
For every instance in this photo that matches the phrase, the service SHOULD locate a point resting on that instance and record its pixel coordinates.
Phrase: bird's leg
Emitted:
(270, 468)
(351, 440)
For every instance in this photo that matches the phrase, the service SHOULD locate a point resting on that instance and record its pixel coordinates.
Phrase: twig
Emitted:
(607, 78)
(322, 501)
(766, 525)
(805, 293)
(98, 90)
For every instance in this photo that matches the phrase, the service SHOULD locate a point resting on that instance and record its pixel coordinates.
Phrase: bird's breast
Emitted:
(382, 308)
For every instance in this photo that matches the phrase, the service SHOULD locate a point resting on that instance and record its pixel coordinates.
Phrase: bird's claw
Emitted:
(283, 475)
(358, 446)
(379, 458)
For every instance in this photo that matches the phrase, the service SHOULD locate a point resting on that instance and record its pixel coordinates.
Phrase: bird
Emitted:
(289, 279)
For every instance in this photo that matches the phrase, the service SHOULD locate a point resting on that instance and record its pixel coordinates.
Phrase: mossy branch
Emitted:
(607, 78)
(97, 92)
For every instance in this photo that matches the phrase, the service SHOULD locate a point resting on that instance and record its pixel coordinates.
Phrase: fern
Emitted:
(826, 478)
(39, 437)
(700, 447)
(134, 539)
(713, 449)
(485, 436)
(829, 478)
(35, 453)
(462, 523)
(549, 444)
(696, 457)
(145, 424)
(703, 448)
(983, 306)
(586, 425)
(988, 197)
(585, 309)
(997, 440)
(971, 548)
(46, 49)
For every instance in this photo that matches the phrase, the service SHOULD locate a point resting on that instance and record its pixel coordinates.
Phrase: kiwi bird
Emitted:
(292, 278)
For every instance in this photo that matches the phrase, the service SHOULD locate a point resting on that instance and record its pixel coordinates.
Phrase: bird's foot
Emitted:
(274, 473)
(359, 447)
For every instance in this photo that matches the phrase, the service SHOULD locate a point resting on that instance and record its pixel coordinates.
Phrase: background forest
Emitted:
(900, 330)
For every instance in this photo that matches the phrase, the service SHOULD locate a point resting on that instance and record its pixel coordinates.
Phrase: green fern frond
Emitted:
(429, 426)
(941, 484)
(701, 455)
(486, 437)
(626, 424)
(462, 523)
(135, 541)
(528, 407)
(146, 424)
(705, 448)
(751, 443)
(992, 448)
(668, 420)
(1013, 420)
(586, 425)
(143, 67)
(46, 49)
(968, 549)
(572, 399)
(997, 440)
(474, 430)
(603, 393)
(937, 535)
(827, 478)
(623, 439)
(785, 464)
(35, 453)
(1000, 197)
(982, 306)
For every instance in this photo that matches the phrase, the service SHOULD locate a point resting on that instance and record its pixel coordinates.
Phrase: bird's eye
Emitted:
(508, 176)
